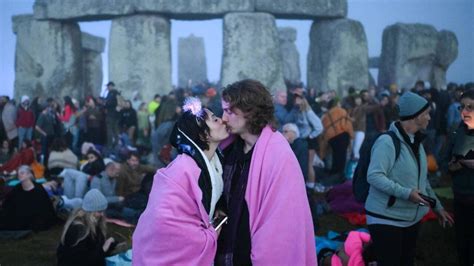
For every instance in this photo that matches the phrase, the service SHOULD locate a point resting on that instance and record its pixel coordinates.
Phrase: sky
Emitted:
(375, 15)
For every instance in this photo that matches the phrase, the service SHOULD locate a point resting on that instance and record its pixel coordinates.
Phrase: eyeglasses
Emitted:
(468, 107)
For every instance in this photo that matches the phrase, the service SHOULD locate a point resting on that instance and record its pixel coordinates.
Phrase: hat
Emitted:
(25, 98)
(111, 83)
(410, 105)
(94, 201)
(108, 161)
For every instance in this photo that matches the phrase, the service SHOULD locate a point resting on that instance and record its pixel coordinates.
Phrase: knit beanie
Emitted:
(410, 105)
(24, 98)
(94, 201)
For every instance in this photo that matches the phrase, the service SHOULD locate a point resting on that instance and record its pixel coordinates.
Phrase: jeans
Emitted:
(75, 183)
(24, 133)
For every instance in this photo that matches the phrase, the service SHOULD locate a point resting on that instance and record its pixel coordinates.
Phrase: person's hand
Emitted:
(454, 165)
(444, 217)
(121, 198)
(107, 244)
(416, 198)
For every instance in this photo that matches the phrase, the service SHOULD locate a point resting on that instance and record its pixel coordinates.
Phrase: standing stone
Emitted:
(140, 55)
(446, 53)
(251, 50)
(289, 55)
(412, 52)
(92, 49)
(301, 9)
(47, 58)
(192, 65)
(338, 56)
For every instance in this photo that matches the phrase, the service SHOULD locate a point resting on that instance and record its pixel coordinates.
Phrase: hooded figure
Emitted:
(176, 226)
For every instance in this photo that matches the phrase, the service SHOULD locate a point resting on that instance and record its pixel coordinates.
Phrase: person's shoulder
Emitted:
(183, 164)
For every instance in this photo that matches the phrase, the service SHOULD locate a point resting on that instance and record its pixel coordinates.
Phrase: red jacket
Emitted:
(25, 118)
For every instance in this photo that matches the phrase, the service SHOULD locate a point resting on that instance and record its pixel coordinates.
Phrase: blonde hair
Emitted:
(90, 223)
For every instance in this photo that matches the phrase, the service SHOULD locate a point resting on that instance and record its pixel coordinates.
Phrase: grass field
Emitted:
(436, 245)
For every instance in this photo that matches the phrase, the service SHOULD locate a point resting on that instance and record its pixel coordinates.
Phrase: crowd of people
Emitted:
(239, 153)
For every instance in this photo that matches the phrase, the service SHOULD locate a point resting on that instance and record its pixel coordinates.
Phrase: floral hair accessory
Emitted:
(193, 105)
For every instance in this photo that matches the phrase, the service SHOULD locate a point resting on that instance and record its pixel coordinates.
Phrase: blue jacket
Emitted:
(388, 177)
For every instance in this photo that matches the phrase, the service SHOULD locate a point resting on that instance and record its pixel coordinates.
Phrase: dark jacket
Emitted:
(87, 252)
(25, 210)
(461, 147)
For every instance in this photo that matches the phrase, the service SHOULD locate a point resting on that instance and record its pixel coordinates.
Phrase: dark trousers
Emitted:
(394, 245)
(464, 217)
(339, 146)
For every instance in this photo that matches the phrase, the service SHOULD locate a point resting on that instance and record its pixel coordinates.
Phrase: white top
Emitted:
(214, 168)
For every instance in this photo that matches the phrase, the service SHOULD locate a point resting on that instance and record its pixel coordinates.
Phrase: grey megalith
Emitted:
(140, 55)
(251, 50)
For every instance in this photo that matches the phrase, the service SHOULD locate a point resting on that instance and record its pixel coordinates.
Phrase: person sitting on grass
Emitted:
(83, 241)
(27, 206)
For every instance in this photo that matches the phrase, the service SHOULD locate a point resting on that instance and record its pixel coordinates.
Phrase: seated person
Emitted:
(106, 181)
(357, 250)
(83, 241)
(5, 152)
(131, 175)
(26, 156)
(61, 157)
(28, 205)
(76, 183)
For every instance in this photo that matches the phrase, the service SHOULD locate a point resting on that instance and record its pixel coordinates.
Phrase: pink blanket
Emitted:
(281, 227)
(174, 229)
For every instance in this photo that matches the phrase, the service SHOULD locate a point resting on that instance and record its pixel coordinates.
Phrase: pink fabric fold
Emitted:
(353, 246)
(281, 226)
(174, 229)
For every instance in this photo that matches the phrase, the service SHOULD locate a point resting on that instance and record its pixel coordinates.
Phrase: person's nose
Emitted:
(224, 118)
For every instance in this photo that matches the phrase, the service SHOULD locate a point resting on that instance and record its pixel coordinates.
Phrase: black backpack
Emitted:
(360, 186)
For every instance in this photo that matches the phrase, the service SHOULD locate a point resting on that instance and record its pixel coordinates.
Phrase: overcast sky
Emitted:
(375, 15)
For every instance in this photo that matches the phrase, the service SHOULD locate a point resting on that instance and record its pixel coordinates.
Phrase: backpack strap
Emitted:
(396, 142)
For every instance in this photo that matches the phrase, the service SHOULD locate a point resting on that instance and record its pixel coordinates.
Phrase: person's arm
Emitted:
(316, 124)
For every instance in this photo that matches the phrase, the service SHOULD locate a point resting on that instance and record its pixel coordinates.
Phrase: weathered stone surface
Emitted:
(92, 47)
(92, 64)
(93, 43)
(289, 54)
(338, 56)
(86, 10)
(192, 66)
(446, 53)
(412, 52)
(48, 58)
(251, 50)
(106, 9)
(140, 55)
(302, 9)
